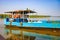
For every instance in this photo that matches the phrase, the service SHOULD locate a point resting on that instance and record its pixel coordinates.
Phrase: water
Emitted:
(36, 35)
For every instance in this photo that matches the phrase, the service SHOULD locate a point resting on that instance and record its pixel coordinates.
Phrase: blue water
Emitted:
(43, 24)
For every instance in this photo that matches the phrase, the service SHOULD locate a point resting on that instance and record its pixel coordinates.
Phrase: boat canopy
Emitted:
(21, 11)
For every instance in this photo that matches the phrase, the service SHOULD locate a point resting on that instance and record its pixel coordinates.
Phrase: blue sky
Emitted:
(42, 7)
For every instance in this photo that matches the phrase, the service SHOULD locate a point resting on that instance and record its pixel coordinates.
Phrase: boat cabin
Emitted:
(20, 15)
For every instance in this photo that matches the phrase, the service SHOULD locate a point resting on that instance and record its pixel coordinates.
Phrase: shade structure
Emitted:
(21, 11)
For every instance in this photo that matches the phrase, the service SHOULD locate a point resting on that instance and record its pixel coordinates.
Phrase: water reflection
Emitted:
(31, 36)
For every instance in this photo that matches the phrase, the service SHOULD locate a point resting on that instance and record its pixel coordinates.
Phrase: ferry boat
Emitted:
(23, 24)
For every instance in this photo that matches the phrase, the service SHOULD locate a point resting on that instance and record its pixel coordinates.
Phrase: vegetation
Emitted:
(38, 16)
(30, 16)
(4, 16)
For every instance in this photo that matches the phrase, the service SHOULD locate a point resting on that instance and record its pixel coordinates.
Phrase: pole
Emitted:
(11, 20)
(21, 23)
(23, 16)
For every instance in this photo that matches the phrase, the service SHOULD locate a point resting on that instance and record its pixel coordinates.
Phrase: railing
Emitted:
(46, 24)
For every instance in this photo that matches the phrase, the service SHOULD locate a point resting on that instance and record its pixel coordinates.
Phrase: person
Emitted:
(17, 15)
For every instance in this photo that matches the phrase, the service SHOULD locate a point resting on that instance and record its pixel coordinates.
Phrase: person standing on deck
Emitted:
(17, 16)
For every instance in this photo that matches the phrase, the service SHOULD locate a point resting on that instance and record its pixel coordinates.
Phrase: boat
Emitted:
(23, 24)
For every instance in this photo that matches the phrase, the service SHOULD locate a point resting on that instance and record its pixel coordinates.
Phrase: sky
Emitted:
(42, 7)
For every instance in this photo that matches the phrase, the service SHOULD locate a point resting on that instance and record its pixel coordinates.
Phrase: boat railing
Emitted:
(16, 20)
